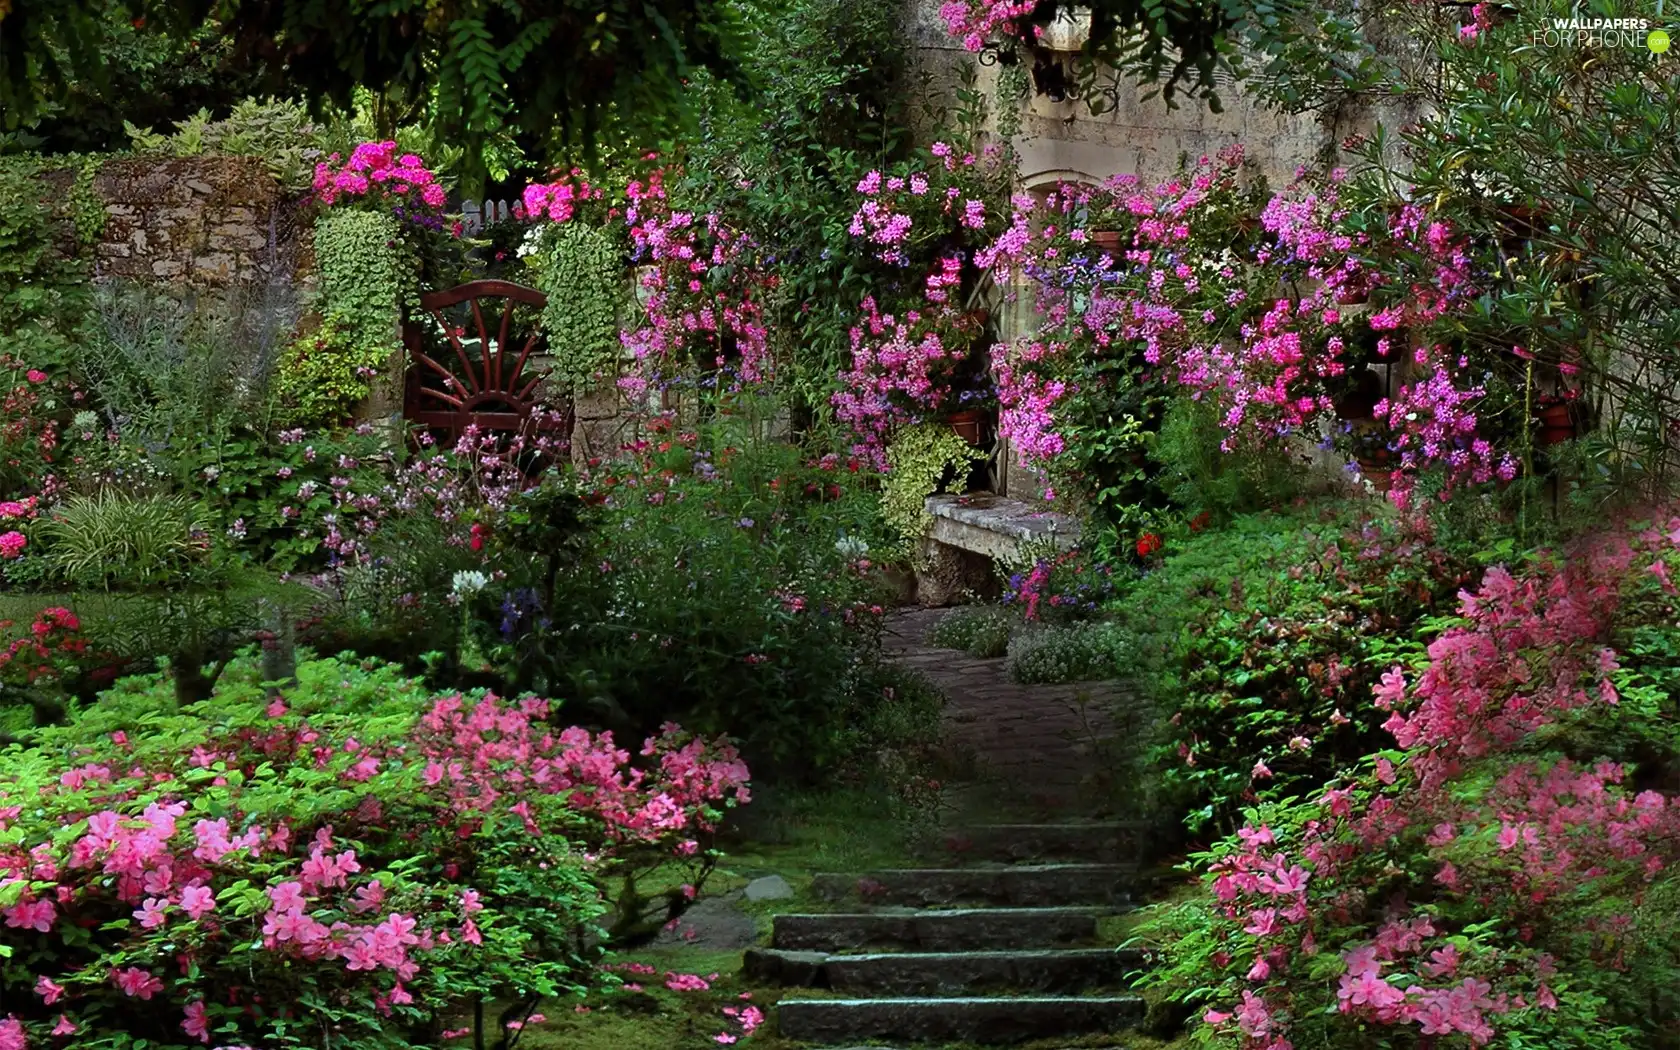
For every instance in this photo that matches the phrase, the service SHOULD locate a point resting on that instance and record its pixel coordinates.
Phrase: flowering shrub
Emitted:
(1224, 294)
(1262, 641)
(728, 586)
(915, 353)
(35, 409)
(354, 849)
(704, 303)
(1495, 878)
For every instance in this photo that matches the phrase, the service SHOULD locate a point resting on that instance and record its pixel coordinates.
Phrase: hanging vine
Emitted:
(364, 276)
(581, 270)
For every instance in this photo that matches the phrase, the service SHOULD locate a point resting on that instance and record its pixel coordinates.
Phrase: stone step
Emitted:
(955, 930)
(988, 1020)
(1043, 972)
(1107, 842)
(1029, 885)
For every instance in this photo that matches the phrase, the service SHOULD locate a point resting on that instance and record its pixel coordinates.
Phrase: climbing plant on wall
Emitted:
(364, 276)
(581, 269)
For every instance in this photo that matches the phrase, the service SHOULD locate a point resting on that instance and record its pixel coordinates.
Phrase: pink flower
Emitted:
(12, 1036)
(197, 1023)
(12, 544)
(197, 901)
(65, 1026)
(49, 990)
(136, 983)
(35, 375)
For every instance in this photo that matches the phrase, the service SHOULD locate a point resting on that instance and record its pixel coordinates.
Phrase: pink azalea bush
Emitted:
(1502, 874)
(354, 848)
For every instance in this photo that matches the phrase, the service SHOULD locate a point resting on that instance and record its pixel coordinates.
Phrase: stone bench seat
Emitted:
(969, 534)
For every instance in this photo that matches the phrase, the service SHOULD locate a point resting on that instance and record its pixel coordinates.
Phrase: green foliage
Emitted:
(581, 270)
(1080, 652)
(120, 540)
(1198, 475)
(921, 460)
(783, 160)
(1266, 637)
(43, 282)
(176, 378)
(278, 131)
(725, 598)
(979, 630)
(363, 280)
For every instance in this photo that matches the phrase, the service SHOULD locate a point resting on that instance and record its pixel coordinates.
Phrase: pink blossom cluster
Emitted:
(704, 305)
(1476, 823)
(375, 171)
(975, 22)
(197, 883)
(558, 201)
(898, 371)
(942, 194)
(1434, 424)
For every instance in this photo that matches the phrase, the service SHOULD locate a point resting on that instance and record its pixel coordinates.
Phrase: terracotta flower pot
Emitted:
(1381, 478)
(1105, 241)
(969, 424)
(1557, 424)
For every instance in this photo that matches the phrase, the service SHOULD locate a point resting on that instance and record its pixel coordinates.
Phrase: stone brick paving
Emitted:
(1043, 745)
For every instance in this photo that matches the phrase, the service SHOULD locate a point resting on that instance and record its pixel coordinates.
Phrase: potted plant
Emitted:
(1559, 419)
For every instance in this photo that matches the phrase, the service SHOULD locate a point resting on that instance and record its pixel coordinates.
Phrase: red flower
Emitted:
(1199, 522)
(1148, 544)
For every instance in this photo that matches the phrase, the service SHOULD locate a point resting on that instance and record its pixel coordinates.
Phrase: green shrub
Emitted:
(978, 630)
(1265, 638)
(1081, 652)
(1199, 476)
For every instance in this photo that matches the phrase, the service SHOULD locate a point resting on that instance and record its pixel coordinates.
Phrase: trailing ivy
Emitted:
(581, 270)
(364, 276)
(919, 459)
(43, 278)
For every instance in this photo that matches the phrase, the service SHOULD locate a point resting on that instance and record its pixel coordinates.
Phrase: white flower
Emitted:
(467, 581)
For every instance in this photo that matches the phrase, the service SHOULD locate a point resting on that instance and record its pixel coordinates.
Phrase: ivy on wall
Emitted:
(581, 270)
(919, 460)
(43, 275)
(363, 278)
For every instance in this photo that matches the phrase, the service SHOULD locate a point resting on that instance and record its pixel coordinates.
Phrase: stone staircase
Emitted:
(997, 943)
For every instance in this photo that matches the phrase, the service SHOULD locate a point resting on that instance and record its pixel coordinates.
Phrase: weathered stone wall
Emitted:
(197, 221)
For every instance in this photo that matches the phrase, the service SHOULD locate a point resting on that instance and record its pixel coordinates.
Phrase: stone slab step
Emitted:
(1022, 885)
(1107, 842)
(955, 930)
(991, 1020)
(1043, 972)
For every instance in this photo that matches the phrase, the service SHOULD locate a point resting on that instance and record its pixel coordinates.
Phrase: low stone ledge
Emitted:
(997, 526)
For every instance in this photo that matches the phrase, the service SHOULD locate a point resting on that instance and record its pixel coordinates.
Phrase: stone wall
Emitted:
(197, 221)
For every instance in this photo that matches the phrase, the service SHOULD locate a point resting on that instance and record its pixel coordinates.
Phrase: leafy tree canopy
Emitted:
(548, 70)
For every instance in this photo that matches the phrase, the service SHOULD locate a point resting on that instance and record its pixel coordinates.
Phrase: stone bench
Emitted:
(970, 534)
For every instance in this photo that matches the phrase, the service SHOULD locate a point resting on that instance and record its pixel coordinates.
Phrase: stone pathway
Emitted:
(1041, 745)
(1000, 938)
